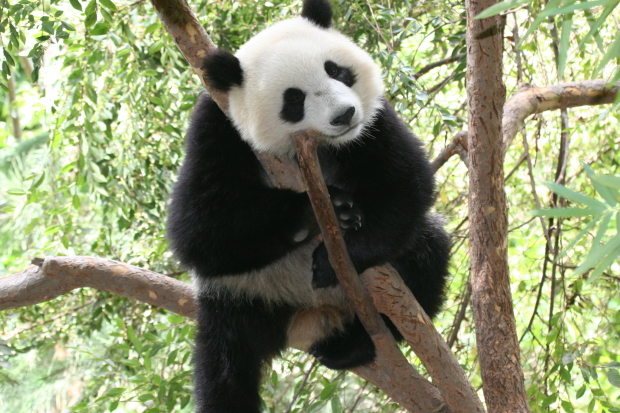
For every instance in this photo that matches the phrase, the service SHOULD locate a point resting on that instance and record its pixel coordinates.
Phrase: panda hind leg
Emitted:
(233, 343)
(345, 349)
(424, 267)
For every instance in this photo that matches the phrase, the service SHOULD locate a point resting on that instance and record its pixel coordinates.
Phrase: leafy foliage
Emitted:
(602, 254)
(103, 100)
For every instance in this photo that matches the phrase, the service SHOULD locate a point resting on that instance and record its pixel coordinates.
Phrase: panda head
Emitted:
(296, 75)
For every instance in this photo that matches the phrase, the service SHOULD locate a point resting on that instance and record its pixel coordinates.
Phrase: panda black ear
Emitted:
(318, 12)
(223, 70)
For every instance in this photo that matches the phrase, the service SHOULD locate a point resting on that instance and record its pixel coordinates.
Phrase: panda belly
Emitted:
(286, 281)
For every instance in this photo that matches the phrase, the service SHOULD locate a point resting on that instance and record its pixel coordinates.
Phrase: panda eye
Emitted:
(294, 95)
(332, 69)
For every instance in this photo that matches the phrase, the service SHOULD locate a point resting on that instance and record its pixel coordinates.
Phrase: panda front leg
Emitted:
(235, 340)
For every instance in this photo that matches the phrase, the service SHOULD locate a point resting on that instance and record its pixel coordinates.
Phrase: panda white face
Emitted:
(298, 76)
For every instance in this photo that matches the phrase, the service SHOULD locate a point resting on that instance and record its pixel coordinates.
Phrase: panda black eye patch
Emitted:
(339, 73)
(293, 105)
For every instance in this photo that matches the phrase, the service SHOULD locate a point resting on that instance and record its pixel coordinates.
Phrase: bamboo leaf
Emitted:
(500, 7)
(594, 28)
(566, 28)
(613, 51)
(603, 265)
(603, 191)
(553, 4)
(576, 196)
(608, 181)
(602, 229)
(598, 254)
(580, 235)
(565, 212)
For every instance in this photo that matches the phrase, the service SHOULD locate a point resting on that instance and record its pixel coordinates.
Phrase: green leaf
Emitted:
(91, 8)
(108, 4)
(90, 20)
(150, 72)
(565, 212)
(176, 319)
(567, 25)
(16, 192)
(117, 391)
(568, 406)
(171, 357)
(608, 181)
(594, 28)
(613, 51)
(500, 7)
(329, 390)
(614, 377)
(134, 339)
(76, 4)
(581, 391)
(576, 196)
(598, 254)
(8, 58)
(52, 229)
(155, 47)
(336, 404)
(99, 30)
(605, 192)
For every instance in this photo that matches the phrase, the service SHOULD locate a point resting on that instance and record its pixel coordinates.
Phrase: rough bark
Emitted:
(457, 146)
(502, 376)
(392, 298)
(54, 276)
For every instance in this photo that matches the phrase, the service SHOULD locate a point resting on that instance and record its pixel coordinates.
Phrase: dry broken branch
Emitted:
(458, 145)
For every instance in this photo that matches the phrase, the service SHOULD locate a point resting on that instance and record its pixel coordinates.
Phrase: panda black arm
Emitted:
(390, 180)
(222, 218)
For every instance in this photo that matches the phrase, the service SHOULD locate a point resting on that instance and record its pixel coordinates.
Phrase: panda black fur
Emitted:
(263, 281)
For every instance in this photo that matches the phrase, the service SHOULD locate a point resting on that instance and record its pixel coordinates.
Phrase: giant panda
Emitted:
(262, 276)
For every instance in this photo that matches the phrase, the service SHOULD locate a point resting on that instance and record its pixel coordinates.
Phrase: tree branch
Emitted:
(54, 276)
(458, 145)
(529, 100)
(438, 63)
(386, 348)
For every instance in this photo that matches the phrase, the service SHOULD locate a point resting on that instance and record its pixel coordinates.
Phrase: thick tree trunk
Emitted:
(498, 348)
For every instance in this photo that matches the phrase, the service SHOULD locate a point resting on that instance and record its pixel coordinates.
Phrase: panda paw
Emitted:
(348, 213)
(323, 275)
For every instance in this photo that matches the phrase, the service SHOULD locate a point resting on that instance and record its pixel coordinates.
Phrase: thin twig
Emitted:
(460, 316)
(438, 63)
(301, 386)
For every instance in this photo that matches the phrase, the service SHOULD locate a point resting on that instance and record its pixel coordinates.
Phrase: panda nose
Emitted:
(344, 118)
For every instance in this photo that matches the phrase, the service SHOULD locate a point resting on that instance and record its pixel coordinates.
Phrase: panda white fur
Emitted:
(263, 280)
